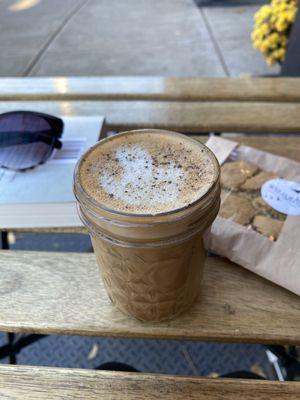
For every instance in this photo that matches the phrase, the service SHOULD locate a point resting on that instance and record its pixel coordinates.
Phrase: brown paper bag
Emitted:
(278, 261)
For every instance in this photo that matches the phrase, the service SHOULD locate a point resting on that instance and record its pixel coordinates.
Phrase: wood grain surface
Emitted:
(181, 116)
(151, 88)
(40, 383)
(62, 293)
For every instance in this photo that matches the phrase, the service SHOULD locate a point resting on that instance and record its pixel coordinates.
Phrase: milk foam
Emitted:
(155, 184)
(148, 172)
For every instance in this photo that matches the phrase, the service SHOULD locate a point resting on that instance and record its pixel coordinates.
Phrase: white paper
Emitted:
(221, 147)
(282, 195)
(70, 152)
(52, 181)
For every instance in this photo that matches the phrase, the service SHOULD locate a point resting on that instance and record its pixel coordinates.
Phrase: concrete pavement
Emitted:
(25, 28)
(231, 28)
(132, 37)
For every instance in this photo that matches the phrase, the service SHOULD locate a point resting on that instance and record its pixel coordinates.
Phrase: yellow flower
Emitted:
(270, 60)
(256, 45)
(282, 41)
(273, 19)
(264, 29)
(265, 12)
(265, 45)
(256, 35)
(273, 40)
(281, 25)
(272, 25)
(281, 8)
(279, 54)
(282, 56)
(291, 16)
(275, 2)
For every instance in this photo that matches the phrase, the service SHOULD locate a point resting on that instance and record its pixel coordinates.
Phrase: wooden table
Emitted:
(58, 293)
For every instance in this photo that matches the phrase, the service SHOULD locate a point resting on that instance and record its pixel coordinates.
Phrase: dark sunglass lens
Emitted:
(23, 155)
(23, 122)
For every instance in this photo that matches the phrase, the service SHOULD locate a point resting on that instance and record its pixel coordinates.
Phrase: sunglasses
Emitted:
(28, 138)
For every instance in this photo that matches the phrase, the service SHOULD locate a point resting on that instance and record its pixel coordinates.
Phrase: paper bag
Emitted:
(243, 243)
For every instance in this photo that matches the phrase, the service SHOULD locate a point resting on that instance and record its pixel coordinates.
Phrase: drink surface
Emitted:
(147, 172)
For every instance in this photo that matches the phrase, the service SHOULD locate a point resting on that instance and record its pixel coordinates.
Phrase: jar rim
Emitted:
(89, 200)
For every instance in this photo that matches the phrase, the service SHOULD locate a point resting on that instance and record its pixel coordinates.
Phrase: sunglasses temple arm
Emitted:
(57, 144)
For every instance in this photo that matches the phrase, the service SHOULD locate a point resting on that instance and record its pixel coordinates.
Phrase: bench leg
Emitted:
(13, 347)
(12, 355)
(10, 336)
(4, 241)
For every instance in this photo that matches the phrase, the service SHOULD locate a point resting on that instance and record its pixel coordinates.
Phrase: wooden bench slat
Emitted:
(180, 116)
(283, 146)
(41, 383)
(61, 293)
(151, 88)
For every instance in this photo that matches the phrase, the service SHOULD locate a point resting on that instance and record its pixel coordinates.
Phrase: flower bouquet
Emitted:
(272, 26)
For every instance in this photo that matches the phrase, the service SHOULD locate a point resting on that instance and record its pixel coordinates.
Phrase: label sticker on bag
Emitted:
(282, 195)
